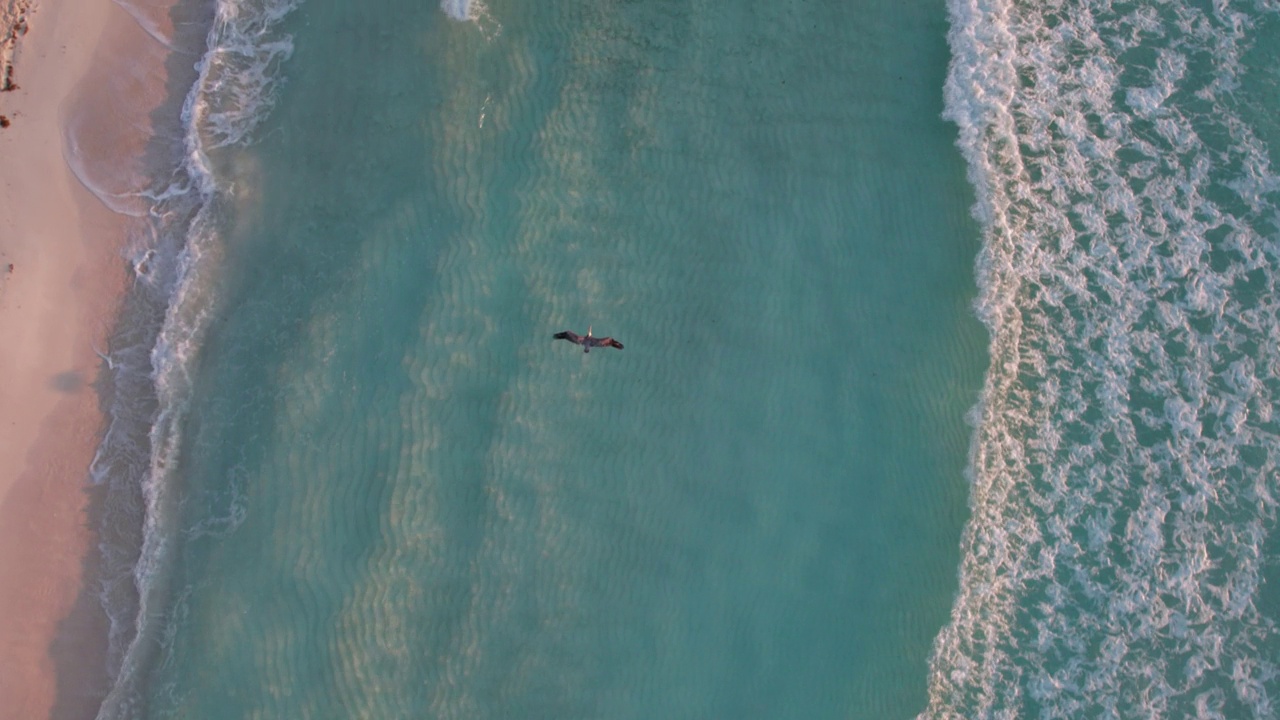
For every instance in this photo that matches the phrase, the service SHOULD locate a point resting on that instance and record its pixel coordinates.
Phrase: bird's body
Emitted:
(587, 341)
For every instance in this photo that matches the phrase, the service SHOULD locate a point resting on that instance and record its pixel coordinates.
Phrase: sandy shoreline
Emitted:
(62, 277)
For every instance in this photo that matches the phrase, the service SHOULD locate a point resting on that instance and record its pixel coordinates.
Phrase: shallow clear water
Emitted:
(375, 486)
(396, 495)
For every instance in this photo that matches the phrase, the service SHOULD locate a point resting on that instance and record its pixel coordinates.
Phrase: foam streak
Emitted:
(158, 342)
(1124, 467)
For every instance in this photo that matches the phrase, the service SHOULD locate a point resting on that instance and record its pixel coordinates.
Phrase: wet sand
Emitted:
(62, 275)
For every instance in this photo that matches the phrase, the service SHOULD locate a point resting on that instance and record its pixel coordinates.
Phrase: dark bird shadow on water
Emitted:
(67, 382)
(80, 649)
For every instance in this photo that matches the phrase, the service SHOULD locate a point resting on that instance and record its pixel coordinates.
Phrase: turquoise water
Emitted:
(389, 493)
(370, 484)
(1119, 561)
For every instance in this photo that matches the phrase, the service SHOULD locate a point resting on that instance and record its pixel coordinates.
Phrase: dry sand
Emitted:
(62, 275)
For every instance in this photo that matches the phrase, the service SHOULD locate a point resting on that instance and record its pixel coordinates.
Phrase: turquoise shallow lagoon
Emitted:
(813, 484)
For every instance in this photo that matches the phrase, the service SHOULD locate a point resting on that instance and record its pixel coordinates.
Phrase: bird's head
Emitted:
(588, 331)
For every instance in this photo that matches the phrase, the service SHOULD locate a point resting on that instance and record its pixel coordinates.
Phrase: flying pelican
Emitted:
(587, 342)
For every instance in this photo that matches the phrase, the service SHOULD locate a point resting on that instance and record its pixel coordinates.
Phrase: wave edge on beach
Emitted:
(175, 259)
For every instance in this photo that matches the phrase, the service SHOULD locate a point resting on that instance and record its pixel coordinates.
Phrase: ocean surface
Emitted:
(952, 351)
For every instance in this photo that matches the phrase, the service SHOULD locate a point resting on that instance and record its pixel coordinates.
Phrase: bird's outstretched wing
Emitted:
(610, 342)
(569, 335)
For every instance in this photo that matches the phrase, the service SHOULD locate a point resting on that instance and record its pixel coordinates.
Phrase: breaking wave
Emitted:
(1123, 469)
(154, 349)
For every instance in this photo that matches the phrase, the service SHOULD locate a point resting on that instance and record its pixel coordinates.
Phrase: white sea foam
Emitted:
(1113, 560)
(176, 264)
(147, 22)
(123, 203)
(459, 9)
(473, 11)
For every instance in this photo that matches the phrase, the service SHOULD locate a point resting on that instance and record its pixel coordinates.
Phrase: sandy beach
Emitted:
(62, 275)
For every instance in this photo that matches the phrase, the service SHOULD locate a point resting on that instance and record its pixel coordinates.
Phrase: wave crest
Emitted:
(1124, 467)
(155, 348)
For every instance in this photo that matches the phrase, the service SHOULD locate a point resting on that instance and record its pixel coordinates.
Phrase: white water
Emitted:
(175, 265)
(1124, 465)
